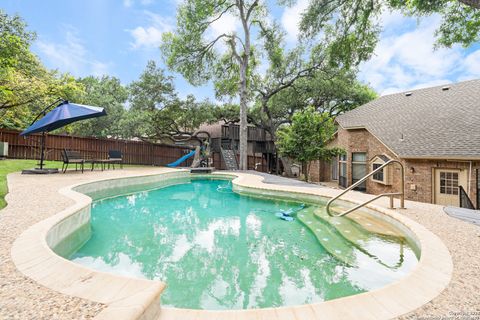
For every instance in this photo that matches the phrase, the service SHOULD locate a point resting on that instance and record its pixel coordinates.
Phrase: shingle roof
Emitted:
(430, 123)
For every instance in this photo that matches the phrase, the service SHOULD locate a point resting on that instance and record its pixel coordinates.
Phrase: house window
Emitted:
(449, 183)
(335, 168)
(342, 177)
(384, 175)
(359, 169)
(379, 176)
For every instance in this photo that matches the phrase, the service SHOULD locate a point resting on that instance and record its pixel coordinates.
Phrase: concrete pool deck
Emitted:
(33, 199)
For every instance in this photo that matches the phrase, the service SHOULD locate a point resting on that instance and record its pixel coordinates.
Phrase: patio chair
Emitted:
(70, 156)
(115, 157)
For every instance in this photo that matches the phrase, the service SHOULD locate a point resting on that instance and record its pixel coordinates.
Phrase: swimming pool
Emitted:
(217, 249)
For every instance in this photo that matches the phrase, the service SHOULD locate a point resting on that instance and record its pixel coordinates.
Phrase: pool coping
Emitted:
(129, 298)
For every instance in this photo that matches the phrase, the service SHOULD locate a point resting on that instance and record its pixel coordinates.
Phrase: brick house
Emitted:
(434, 132)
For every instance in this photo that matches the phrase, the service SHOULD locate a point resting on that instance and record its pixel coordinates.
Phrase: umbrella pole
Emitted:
(42, 150)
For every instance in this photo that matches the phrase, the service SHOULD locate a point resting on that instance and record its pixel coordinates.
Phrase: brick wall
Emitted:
(423, 175)
(320, 171)
(417, 172)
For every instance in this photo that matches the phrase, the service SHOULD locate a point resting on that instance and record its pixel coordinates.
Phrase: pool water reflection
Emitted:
(219, 250)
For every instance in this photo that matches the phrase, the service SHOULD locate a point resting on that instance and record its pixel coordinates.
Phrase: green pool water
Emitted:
(220, 250)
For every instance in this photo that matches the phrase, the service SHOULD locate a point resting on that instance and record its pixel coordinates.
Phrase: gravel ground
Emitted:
(461, 299)
(30, 200)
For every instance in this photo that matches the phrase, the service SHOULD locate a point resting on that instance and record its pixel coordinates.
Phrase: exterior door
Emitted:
(446, 186)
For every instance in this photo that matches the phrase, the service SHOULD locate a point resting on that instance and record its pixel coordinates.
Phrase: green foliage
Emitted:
(460, 25)
(348, 27)
(322, 75)
(153, 90)
(227, 113)
(26, 86)
(333, 95)
(156, 111)
(304, 140)
(193, 52)
(460, 19)
(106, 92)
(330, 92)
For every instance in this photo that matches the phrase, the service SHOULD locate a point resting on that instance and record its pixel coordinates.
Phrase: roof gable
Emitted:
(429, 123)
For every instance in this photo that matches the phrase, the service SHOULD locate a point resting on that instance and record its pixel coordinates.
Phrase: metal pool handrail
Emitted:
(390, 194)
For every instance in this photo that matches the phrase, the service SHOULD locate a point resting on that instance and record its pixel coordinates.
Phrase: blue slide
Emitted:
(182, 159)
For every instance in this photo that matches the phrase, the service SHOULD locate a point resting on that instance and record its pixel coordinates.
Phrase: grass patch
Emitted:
(9, 166)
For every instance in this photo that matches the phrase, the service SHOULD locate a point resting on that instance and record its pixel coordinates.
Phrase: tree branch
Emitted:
(250, 10)
(219, 16)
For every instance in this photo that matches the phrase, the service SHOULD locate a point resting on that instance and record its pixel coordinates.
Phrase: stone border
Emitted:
(129, 298)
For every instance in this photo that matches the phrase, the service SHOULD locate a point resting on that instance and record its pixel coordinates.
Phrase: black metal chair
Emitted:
(115, 157)
(70, 156)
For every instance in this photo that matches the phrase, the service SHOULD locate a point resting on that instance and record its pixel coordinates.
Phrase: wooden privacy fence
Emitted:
(134, 152)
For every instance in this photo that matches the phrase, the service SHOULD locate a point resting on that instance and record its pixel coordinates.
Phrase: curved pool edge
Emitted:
(128, 298)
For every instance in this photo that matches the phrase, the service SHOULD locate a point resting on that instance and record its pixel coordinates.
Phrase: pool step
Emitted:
(349, 229)
(333, 242)
(348, 238)
(373, 224)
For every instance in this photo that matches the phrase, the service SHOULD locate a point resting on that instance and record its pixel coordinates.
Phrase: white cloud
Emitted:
(151, 36)
(405, 57)
(291, 19)
(71, 56)
(146, 37)
(228, 23)
(392, 19)
(471, 65)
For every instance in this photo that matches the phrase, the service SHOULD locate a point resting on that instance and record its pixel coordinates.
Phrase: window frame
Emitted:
(335, 165)
(450, 183)
(363, 186)
(343, 167)
(375, 176)
(386, 171)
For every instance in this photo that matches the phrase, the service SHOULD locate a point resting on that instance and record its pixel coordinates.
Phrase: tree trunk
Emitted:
(287, 166)
(244, 89)
(305, 171)
(243, 165)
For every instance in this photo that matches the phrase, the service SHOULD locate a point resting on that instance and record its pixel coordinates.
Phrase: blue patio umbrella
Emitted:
(64, 113)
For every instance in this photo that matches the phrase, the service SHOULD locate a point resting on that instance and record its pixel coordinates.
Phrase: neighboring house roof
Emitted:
(428, 123)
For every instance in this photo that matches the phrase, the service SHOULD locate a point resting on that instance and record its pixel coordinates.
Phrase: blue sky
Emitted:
(118, 37)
